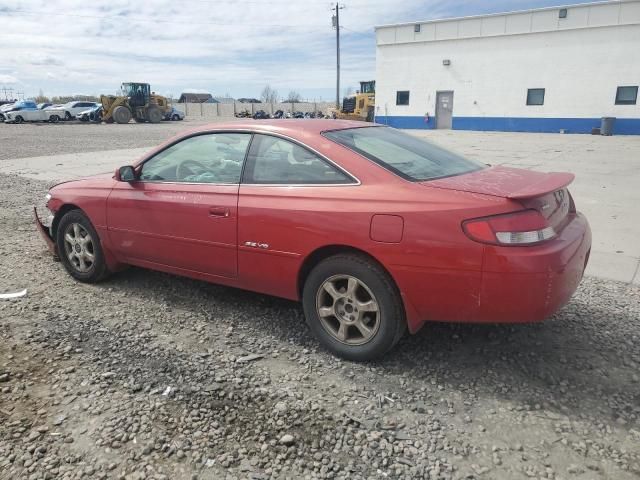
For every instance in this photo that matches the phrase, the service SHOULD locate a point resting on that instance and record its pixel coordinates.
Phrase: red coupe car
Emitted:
(374, 230)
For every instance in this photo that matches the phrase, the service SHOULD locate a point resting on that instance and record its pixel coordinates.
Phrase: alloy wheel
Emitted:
(348, 310)
(79, 247)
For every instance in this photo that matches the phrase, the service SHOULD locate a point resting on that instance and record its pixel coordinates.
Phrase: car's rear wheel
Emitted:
(175, 118)
(79, 248)
(67, 116)
(54, 118)
(353, 307)
(19, 119)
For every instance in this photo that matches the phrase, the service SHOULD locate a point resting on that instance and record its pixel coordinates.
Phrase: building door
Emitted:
(444, 109)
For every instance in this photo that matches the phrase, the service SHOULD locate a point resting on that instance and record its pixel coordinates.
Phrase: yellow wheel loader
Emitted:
(361, 105)
(137, 101)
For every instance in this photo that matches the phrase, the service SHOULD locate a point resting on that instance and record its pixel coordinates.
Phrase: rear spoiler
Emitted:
(550, 183)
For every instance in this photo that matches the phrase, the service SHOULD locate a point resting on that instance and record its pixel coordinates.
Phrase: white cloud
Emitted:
(194, 90)
(8, 79)
(218, 46)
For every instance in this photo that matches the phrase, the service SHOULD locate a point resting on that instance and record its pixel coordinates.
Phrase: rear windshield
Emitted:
(410, 157)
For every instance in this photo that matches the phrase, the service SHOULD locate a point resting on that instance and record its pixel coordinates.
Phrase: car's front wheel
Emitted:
(79, 248)
(353, 307)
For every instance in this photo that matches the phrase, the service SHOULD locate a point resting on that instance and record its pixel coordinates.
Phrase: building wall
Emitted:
(495, 59)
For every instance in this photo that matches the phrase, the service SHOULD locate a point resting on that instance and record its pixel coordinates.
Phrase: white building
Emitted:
(542, 70)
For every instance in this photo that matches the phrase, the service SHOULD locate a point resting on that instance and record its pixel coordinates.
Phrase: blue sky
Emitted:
(231, 47)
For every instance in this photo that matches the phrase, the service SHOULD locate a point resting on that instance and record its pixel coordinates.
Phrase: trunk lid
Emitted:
(545, 192)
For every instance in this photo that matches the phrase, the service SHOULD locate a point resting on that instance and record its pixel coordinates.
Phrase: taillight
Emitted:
(525, 227)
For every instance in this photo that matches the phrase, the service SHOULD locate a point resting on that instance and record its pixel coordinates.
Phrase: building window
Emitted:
(535, 96)
(402, 97)
(626, 95)
(416, 28)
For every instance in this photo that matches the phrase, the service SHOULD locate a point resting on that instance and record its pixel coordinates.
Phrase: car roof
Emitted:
(291, 127)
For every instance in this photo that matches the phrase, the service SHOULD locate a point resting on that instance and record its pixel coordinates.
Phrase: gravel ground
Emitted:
(38, 139)
(153, 376)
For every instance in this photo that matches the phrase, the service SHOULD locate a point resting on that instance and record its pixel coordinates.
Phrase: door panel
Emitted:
(181, 211)
(173, 224)
(444, 109)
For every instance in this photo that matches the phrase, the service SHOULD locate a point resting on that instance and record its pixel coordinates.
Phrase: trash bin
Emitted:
(606, 125)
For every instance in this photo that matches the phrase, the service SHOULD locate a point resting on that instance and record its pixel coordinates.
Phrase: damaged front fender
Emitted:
(45, 234)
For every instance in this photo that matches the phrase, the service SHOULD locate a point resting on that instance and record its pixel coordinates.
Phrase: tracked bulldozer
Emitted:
(136, 101)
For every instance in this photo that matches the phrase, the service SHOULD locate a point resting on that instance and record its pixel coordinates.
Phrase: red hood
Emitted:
(506, 182)
(99, 178)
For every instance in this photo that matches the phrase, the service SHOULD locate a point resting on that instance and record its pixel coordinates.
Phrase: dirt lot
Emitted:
(35, 139)
(153, 376)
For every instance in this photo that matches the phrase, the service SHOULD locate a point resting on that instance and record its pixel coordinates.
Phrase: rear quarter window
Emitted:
(410, 157)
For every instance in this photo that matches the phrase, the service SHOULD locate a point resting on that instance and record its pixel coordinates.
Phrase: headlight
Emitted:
(47, 197)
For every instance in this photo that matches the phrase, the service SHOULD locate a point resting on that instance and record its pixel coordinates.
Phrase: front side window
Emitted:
(627, 95)
(535, 96)
(209, 158)
(402, 97)
(273, 160)
(407, 156)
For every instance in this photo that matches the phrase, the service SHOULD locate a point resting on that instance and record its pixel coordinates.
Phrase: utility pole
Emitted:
(336, 24)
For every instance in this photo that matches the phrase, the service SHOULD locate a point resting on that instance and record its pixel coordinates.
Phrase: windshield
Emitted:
(410, 157)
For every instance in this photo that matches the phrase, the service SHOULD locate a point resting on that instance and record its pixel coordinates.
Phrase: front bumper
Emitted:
(45, 233)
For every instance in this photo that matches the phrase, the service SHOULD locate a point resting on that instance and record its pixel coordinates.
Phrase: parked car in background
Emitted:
(5, 108)
(374, 230)
(32, 115)
(16, 107)
(69, 110)
(93, 114)
(42, 106)
(261, 115)
(174, 114)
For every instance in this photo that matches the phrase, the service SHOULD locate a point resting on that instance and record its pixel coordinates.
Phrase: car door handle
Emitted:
(218, 212)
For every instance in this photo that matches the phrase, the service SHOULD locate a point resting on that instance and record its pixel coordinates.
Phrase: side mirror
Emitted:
(126, 174)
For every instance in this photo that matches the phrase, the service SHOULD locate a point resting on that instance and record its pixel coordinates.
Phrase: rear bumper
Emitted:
(516, 284)
(45, 234)
(531, 284)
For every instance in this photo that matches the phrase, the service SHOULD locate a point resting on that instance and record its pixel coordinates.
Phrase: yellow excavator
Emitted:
(361, 105)
(136, 101)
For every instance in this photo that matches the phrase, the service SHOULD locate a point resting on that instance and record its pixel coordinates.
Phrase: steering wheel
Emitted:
(185, 168)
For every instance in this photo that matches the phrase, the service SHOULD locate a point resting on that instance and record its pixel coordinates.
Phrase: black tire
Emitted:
(67, 116)
(19, 119)
(154, 115)
(54, 118)
(121, 114)
(390, 315)
(175, 118)
(93, 273)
